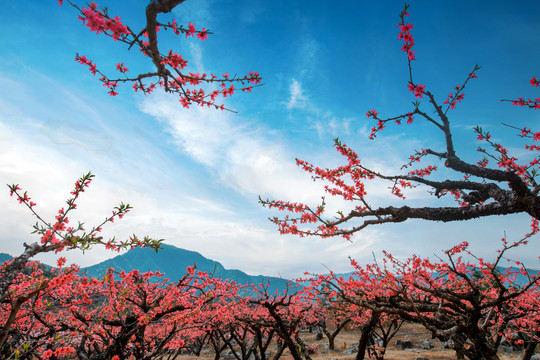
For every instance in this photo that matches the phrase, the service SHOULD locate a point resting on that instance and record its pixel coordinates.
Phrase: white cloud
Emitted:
(196, 63)
(193, 206)
(240, 155)
(325, 123)
(247, 159)
(296, 100)
(308, 64)
(329, 126)
(46, 156)
(203, 134)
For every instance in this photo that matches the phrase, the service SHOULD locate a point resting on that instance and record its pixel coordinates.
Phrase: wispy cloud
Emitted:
(297, 100)
(179, 204)
(324, 122)
(179, 215)
(236, 150)
(182, 205)
(307, 56)
(197, 12)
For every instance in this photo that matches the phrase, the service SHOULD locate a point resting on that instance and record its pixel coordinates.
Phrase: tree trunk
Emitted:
(529, 350)
(284, 332)
(365, 330)
(331, 335)
(281, 348)
(303, 347)
(481, 347)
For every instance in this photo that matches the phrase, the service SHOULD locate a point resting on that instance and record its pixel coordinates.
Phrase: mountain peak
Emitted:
(173, 261)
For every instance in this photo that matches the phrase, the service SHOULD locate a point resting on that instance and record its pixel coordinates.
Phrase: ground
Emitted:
(414, 332)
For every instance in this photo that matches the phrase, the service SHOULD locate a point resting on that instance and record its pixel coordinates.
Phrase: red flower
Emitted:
(203, 35)
(120, 67)
(191, 30)
(418, 90)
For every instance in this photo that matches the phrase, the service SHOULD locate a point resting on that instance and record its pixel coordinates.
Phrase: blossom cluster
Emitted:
(98, 22)
(530, 103)
(454, 99)
(168, 67)
(417, 90)
(405, 35)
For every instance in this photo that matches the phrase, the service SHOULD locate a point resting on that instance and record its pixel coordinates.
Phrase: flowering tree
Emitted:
(21, 335)
(169, 71)
(17, 288)
(345, 310)
(58, 235)
(474, 304)
(247, 331)
(498, 184)
(444, 296)
(215, 323)
(335, 317)
(120, 316)
(259, 324)
(288, 312)
(22, 283)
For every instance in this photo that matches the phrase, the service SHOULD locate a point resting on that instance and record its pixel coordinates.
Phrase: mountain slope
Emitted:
(5, 257)
(173, 261)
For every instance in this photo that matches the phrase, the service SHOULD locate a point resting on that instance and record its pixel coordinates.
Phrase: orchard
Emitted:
(476, 302)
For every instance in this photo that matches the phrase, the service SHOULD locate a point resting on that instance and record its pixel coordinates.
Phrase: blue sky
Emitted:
(194, 176)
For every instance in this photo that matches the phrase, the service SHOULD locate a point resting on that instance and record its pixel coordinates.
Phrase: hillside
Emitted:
(5, 257)
(173, 261)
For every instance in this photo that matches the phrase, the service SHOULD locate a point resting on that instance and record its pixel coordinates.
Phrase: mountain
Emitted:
(173, 261)
(5, 257)
(46, 268)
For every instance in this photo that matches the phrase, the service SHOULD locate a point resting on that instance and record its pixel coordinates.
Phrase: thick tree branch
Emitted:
(154, 8)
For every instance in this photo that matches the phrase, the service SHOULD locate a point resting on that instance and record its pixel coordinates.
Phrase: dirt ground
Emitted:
(416, 333)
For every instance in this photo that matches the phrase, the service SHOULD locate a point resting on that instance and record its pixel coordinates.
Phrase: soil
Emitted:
(413, 332)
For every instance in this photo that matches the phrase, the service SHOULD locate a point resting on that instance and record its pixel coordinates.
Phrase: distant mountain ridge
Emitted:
(173, 261)
(5, 257)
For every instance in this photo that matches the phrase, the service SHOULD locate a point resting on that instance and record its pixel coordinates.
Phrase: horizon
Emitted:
(83, 269)
(263, 275)
(194, 176)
